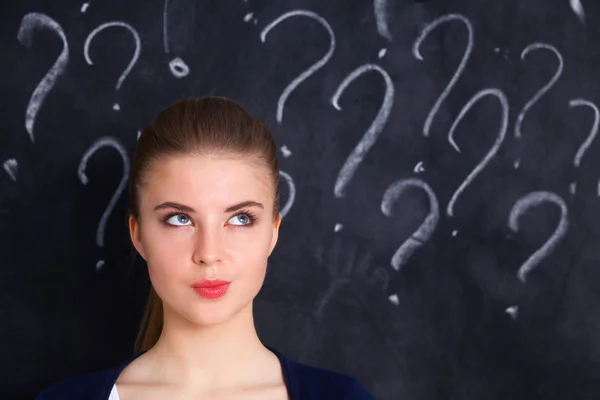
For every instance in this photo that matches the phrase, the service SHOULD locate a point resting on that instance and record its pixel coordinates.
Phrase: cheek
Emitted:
(167, 252)
(249, 266)
(249, 249)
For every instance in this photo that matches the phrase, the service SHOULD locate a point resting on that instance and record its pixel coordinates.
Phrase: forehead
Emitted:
(206, 181)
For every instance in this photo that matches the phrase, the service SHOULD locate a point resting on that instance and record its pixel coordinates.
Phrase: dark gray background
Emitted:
(446, 333)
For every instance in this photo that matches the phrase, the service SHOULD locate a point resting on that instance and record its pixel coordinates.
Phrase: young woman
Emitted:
(204, 215)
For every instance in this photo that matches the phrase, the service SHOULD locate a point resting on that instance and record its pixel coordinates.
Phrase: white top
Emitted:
(114, 395)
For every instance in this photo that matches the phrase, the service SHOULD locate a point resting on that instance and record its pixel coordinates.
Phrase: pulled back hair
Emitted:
(198, 126)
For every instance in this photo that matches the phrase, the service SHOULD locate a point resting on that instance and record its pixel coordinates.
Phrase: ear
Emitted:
(275, 237)
(136, 235)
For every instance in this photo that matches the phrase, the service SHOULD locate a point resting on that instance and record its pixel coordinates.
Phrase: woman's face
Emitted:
(205, 217)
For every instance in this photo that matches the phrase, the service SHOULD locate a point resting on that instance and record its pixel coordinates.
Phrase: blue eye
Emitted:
(241, 219)
(179, 220)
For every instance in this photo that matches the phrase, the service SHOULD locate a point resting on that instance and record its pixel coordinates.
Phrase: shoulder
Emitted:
(89, 386)
(309, 382)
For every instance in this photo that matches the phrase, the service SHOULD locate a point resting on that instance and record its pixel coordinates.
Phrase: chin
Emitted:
(213, 314)
(211, 318)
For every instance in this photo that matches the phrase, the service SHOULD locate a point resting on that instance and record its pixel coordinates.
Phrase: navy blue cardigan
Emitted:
(303, 382)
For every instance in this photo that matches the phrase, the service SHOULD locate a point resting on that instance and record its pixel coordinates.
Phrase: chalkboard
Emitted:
(440, 184)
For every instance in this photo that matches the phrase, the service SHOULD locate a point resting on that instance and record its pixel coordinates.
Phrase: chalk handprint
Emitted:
(348, 269)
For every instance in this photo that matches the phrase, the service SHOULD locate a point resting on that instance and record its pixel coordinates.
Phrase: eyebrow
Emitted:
(184, 208)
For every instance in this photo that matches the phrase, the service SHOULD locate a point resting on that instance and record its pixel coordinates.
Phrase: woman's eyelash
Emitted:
(173, 214)
(251, 216)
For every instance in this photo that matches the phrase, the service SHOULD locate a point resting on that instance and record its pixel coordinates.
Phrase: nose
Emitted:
(208, 248)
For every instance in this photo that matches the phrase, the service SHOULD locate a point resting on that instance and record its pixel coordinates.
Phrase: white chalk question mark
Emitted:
(29, 23)
(459, 70)
(134, 59)
(578, 9)
(520, 207)
(11, 167)
(85, 6)
(370, 136)
(98, 144)
(380, 7)
(497, 93)
(588, 141)
(178, 67)
(545, 88)
(292, 195)
(313, 68)
(427, 227)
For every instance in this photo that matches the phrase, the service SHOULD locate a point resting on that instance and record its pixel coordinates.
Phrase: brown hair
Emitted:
(207, 125)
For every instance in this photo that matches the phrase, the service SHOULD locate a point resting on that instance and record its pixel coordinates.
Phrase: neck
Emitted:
(207, 355)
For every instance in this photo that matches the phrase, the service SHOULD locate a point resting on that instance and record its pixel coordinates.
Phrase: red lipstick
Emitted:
(211, 288)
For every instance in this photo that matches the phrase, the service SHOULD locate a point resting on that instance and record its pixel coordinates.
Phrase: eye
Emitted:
(241, 219)
(178, 220)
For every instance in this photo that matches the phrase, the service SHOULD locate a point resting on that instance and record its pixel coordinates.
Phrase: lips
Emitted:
(208, 283)
(211, 288)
